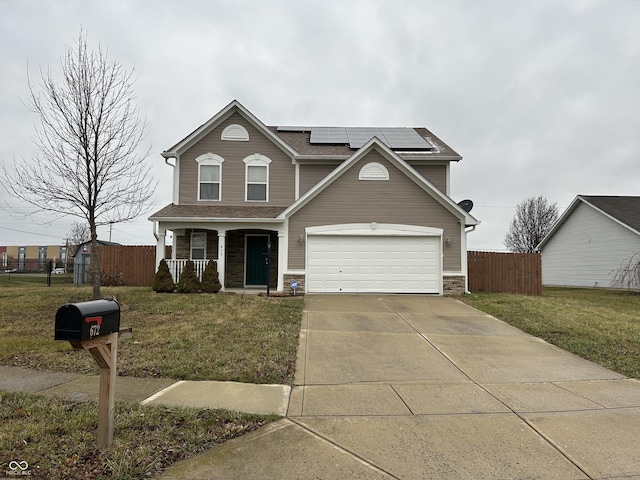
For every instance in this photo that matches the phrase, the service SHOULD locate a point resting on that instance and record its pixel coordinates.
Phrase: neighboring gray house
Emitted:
(590, 241)
(344, 209)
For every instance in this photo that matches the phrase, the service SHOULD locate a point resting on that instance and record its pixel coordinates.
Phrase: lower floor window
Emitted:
(198, 245)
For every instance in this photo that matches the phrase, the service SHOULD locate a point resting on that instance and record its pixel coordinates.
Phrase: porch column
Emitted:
(160, 247)
(282, 260)
(222, 255)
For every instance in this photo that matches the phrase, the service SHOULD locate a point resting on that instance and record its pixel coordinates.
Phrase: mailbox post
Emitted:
(95, 326)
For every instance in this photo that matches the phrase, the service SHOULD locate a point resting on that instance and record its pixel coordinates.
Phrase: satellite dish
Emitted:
(466, 205)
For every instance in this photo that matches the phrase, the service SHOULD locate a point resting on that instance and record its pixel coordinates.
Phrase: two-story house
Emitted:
(337, 209)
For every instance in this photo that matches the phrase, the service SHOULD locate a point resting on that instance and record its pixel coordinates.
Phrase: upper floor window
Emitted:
(235, 133)
(257, 178)
(209, 176)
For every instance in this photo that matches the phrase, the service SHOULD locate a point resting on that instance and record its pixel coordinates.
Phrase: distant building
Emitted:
(32, 258)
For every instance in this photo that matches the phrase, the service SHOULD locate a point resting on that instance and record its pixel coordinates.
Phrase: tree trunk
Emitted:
(95, 264)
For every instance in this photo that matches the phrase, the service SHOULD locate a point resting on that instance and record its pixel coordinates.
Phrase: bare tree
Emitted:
(534, 218)
(628, 274)
(78, 234)
(89, 138)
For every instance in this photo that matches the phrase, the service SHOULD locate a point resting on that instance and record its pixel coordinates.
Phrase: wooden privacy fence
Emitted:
(505, 272)
(133, 265)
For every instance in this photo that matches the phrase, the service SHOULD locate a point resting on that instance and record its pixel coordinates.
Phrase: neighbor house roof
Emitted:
(624, 209)
(621, 209)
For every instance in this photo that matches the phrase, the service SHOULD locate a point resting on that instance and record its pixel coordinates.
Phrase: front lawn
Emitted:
(55, 439)
(600, 325)
(197, 336)
(189, 337)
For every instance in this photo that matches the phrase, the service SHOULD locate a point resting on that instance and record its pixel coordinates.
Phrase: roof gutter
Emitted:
(215, 220)
(168, 156)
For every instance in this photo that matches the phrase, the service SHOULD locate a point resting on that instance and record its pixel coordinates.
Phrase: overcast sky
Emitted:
(539, 97)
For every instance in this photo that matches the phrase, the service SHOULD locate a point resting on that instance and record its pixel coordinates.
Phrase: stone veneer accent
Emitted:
(298, 278)
(453, 285)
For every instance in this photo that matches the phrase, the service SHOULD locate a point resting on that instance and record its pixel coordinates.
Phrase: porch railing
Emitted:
(176, 267)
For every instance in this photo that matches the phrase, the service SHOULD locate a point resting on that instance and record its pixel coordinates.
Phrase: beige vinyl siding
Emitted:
(398, 200)
(281, 170)
(310, 175)
(436, 174)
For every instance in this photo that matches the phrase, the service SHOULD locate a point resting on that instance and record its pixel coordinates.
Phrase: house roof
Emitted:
(300, 139)
(298, 142)
(217, 119)
(621, 209)
(624, 209)
(390, 155)
(207, 212)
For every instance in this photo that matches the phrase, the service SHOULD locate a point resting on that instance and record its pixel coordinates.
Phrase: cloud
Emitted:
(539, 97)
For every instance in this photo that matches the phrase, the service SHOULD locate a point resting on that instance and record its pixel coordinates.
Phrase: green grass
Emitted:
(57, 438)
(199, 336)
(600, 325)
(190, 337)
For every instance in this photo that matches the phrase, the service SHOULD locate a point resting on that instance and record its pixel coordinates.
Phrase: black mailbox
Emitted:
(87, 320)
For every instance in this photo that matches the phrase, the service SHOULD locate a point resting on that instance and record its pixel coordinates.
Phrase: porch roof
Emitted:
(215, 212)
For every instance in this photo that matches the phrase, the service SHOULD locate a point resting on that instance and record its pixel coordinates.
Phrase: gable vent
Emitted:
(373, 171)
(235, 133)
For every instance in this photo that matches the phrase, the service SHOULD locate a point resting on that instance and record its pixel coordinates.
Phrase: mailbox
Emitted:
(87, 320)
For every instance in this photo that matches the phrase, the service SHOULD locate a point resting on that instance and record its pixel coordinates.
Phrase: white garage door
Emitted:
(361, 263)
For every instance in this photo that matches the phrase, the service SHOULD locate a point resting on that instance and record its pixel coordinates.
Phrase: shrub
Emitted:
(112, 280)
(162, 281)
(210, 279)
(189, 281)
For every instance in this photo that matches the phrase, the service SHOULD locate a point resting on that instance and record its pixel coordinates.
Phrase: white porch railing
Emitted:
(176, 267)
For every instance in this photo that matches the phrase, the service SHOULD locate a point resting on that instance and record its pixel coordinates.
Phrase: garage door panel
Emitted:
(373, 264)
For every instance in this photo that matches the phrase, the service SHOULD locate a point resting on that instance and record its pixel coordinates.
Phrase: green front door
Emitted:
(256, 260)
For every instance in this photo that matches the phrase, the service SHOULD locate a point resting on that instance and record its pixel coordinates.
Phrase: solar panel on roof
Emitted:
(333, 135)
(293, 129)
(396, 138)
(359, 136)
(405, 138)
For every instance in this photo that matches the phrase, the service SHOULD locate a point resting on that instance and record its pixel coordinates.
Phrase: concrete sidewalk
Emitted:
(427, 387)
(249, 398)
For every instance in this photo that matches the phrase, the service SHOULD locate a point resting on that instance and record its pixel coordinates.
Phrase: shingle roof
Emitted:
(300, 142)
(217, 211)
(623, 209)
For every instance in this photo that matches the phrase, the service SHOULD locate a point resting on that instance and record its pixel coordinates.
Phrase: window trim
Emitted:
(204, 234)
(256, 160)
(215, 160)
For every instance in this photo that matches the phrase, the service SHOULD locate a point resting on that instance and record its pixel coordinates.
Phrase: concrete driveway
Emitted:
(427, 388)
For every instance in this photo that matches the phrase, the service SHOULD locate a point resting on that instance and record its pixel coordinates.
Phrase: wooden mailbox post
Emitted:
(95, 326)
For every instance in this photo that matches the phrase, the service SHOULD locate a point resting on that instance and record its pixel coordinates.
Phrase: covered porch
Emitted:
(247, 256)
